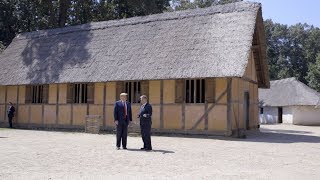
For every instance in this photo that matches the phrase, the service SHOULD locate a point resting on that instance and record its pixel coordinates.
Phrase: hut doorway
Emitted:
(246, 108)
(280, 115)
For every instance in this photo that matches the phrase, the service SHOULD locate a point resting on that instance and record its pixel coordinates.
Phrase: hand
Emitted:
(138, 115)
(145, 115)
(116, 122)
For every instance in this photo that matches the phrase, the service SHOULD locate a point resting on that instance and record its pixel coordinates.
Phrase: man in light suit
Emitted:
(145, 122)
(122, 117)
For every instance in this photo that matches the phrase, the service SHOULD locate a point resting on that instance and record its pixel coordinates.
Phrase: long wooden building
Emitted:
(200, 68)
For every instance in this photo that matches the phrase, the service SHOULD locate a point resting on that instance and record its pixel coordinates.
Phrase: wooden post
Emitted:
(17, 106)
(29, 114)
(161, 104)
(183, 115)
(42, 113)
(5, 104)
(57, 105)
(229, 104)
(183, 110)
(206, 120)
(104, 105)
(71, 115)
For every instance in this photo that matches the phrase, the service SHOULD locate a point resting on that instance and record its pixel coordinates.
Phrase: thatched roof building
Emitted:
(289, 92)
(200, 43)
(289, 101)
(200, 68)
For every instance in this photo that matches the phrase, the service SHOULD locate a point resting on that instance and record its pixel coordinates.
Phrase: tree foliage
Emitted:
(292, 51)
(18, 16)
(2, 47)
(314, 74)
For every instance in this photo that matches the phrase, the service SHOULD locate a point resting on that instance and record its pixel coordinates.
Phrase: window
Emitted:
(195, 91)
(133, 89)
(37, 94)
(80, 93)
(261, 110)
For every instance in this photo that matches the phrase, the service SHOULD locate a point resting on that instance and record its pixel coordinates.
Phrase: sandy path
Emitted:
(279, 152)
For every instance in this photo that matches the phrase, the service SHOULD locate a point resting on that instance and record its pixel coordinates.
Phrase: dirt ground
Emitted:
(277, 152)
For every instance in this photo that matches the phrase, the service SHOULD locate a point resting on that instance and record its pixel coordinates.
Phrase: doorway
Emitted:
(280, 114)
(246, 107)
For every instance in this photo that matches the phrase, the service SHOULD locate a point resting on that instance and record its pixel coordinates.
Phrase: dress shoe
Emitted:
(124, 148)
(142, 148)
(118, 148)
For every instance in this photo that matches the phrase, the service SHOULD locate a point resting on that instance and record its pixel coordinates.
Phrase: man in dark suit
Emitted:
(145, 122)
(122, 117)
(11, 111)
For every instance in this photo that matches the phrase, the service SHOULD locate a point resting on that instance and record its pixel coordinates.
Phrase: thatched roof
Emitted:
(199, 43)
(288, 92)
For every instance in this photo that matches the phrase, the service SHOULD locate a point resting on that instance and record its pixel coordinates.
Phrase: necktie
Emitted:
(125, 109)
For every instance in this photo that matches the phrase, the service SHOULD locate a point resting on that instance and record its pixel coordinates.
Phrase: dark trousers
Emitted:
(10, 121)
(122, 133)
(146, 134)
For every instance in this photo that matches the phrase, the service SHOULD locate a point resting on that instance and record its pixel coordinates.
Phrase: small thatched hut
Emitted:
(289, 101)
(200, 68)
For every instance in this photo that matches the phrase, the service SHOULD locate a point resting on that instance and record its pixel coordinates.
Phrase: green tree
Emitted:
(2, 47)
(291, 50)
(188, 4)
(314, 74)
(8, 25)
(131, 8)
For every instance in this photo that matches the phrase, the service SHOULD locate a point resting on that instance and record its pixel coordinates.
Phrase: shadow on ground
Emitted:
(282, 136)
(264, 135)
(161, 151)
(285, 131)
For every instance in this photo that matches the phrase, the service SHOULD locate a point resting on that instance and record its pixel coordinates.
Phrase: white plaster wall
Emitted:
(306, 115)
(269, 116)
(287, 115)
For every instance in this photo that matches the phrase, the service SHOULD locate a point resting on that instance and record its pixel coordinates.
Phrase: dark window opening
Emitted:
(80, 93)
(133, 89)
(195, 91)
(280, 113)
(261, 110)
(37, 94)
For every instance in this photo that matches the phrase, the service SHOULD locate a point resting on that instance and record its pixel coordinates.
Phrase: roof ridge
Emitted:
(226, 8)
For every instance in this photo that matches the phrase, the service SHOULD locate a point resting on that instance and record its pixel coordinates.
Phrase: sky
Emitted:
(291, 11)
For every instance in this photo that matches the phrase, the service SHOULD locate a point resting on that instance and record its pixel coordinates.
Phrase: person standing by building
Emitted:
(122, 117)
(145, 122)
(11, 111)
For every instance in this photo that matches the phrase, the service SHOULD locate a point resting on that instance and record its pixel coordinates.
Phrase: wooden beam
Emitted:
(206, 119)
(57, 105)
(42, 114)
(5, 103)
(209, 109)
(229, 106)
(183, 116)
(255, 47)
(29, 114)
(17, 106)
(104, 105)
(249, 80)
(161, 104)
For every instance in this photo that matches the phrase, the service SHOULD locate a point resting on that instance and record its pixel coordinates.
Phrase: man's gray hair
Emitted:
(143, 96)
